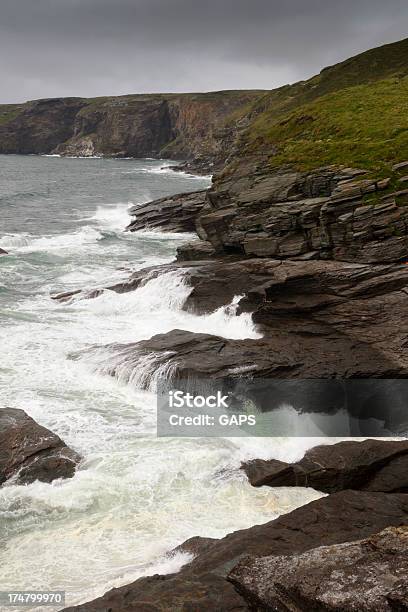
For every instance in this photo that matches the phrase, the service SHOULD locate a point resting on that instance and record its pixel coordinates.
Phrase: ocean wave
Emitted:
(15, 241)
(28, 243)
(114, 217)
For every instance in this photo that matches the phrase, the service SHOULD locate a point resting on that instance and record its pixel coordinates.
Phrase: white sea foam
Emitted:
(15, 240)
(135, 496)
(115, 217)
(26, 243)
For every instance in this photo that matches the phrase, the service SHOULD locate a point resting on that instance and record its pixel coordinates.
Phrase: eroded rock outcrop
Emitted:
(170, 214)
(367, 575)
(372, 465)
(318, 319)
(30, 452)
(328, 213)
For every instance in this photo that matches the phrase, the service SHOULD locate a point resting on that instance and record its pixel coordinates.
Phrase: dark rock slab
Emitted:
(170, 214)
(3, 252)
(171, 593)
(30, 452)
(202, 586)
(319, 319)
(135, 280)
(371, 465)
(196, 250)
(367, 575)
(203, 356)
(196, 545)
(340, 517)
(331, 212)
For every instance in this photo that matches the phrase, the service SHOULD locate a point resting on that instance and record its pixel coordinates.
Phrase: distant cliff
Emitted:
(176, 126)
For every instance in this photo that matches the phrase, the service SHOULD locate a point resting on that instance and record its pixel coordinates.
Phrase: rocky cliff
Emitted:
(308, 221)
(176, 126)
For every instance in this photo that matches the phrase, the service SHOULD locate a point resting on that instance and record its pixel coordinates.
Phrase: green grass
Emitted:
(8, 112)
(353, 113)
(364, 126)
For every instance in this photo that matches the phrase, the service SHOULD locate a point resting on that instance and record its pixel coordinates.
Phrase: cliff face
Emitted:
(37, 127)
(320, 171)
(175, 125)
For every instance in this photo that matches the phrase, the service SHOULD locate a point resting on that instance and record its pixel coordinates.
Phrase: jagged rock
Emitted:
(318, 318)
(170, 214)
(83, 294)
(202, 585)
(197, 250)
(30, 452)
(201, 356)
(367, 575)
(196, 545)
(286, 214)
(372, 465)
(267, 371)
(3, 252)
(131, 284)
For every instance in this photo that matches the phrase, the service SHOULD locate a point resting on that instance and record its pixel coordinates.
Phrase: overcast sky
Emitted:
(52, 48)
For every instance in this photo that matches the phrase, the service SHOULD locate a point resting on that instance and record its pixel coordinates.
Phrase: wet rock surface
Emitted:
(195, 546)
(173, 592)
(30, 452)
(318, 319)
(202, 584)
(372, 465)
(367, 575)
(188, 354)
(170, 214)
(3, 252)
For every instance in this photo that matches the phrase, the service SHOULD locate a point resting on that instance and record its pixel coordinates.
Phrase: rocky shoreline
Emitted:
(351, 545)
(319, 317)
(334, 312)
(305, 229)
(344, 551)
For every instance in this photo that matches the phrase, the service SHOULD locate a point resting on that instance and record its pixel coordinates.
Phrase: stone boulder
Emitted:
(366, 575)
(170, 214)
(371, 465)
(3, 252)
(30, 452)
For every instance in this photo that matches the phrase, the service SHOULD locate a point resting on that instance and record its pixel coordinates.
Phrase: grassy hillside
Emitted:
(354, 113)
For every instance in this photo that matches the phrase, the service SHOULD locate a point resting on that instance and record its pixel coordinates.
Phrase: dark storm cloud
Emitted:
(99, 47)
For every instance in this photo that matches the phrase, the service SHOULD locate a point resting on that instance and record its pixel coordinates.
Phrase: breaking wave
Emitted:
(135, 496)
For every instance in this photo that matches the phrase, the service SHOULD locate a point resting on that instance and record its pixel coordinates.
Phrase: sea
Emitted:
(135, 496)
